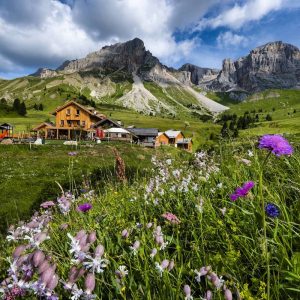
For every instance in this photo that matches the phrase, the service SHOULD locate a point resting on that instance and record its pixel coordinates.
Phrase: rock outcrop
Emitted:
(198, 74)
(274, 65)
(45, 73)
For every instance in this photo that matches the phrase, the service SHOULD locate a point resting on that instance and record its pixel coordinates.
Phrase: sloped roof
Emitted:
(103, 121)
(97, 114)
(172, 133)
(144, 131)
(46, 124)
(7, 125)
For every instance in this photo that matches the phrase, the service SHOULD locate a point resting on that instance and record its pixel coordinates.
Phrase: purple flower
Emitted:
(242, 192)
(72, 153)
(276, 143)
(272, 210)
(84, 207)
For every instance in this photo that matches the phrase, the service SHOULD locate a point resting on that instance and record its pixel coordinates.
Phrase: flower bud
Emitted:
(92, 237)
(18, 251)
(99, 251)
(90, 283)
(187, 291)
(43, 266)
(125, 234)
(52, 283)
(153, 252)
(228, 294)
(80, 234)
(136, 245)
(38, 258)
(149, 225)
(47, 275)
(171, 265)
(164, 263)
(208, 295)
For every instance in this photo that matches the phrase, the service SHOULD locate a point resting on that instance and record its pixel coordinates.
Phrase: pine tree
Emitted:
(41, 107)
(35, 106)
(224, 130)
(22, 109)
(268, 117)
(16, 105)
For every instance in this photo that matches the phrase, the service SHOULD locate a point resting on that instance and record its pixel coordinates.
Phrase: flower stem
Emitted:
(265, 243)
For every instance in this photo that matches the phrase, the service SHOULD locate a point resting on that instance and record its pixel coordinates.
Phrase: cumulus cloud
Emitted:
(229, 39)
(239, 15)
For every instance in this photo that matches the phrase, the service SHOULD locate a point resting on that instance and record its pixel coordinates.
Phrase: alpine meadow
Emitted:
(136, 164)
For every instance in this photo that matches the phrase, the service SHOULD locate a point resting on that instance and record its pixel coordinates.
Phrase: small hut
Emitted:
(6, 130)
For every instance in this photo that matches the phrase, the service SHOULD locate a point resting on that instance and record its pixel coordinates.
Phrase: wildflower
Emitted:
(97, 264)
(121, 272)
(220, 185)
(242, 191)
(38, 258)
(120, 166)
(171, 217)
(216, 281)
(250, 153)
(161, 267)
(47, 204)
(200, 206)
(149, 225)
(275, 143)
(223, 210)
(245, 161)
(84, 207)
(72, 153)
(272, 210)
(125, 234)
(202, 272)
(91, 237)
(171, 265)
(135, 247)
(153, 252)
(187, 292)
(169, 161)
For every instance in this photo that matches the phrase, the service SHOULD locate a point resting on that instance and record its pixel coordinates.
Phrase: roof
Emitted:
(172, 133)
(103, 121)
(117, 130)
(47, 124)
(184, 141)
(92, 113)
(144, 131)
(6, 125)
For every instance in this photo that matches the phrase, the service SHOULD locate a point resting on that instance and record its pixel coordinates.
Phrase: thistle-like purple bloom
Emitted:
(272, 210)
(84, 207)
(242, 192)
(275, 143)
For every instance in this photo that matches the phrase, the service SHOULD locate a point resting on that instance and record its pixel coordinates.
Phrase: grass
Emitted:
(257, 256)
(34, 172)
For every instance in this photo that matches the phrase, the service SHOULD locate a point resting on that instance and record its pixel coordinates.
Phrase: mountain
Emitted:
(127, 74)
(274, 65)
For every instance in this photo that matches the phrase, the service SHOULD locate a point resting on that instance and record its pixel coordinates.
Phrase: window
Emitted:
(78, 123)
(77, 112)
(68, 112)
(83, 123)
(62, 123)
(69, 123)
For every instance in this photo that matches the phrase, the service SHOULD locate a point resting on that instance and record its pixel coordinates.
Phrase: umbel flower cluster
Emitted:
(74, 247)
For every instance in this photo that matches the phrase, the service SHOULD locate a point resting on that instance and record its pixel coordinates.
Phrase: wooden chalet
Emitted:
(174, 136)
(144, 136)
(72, 121)
(161, 139)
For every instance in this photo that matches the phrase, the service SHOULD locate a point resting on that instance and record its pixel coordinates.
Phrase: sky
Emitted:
(45, 33)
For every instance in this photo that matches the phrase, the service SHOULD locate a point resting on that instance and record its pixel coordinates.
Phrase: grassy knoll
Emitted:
(28, 176)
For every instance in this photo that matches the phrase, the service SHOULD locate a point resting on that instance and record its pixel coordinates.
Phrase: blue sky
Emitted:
(45, 33)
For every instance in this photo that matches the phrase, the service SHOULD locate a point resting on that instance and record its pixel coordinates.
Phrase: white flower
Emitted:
(122, 271)
(169, 161)
(250, 153)
(96, 264)
(220, 185)
(159, 268)
(76, 293)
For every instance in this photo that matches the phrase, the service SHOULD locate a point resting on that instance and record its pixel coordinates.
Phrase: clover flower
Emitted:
(135, 247)
(243, 191)
(272, 210)
(84, 207)
(275, 143)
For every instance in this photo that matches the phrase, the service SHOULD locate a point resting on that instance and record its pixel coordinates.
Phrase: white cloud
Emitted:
(229, 39)
(45, 33)
(239, 15)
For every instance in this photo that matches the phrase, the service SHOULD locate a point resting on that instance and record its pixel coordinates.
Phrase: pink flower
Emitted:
(171, 218)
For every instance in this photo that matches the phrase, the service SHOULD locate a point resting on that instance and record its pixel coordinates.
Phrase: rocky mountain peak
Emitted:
(273, 65)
